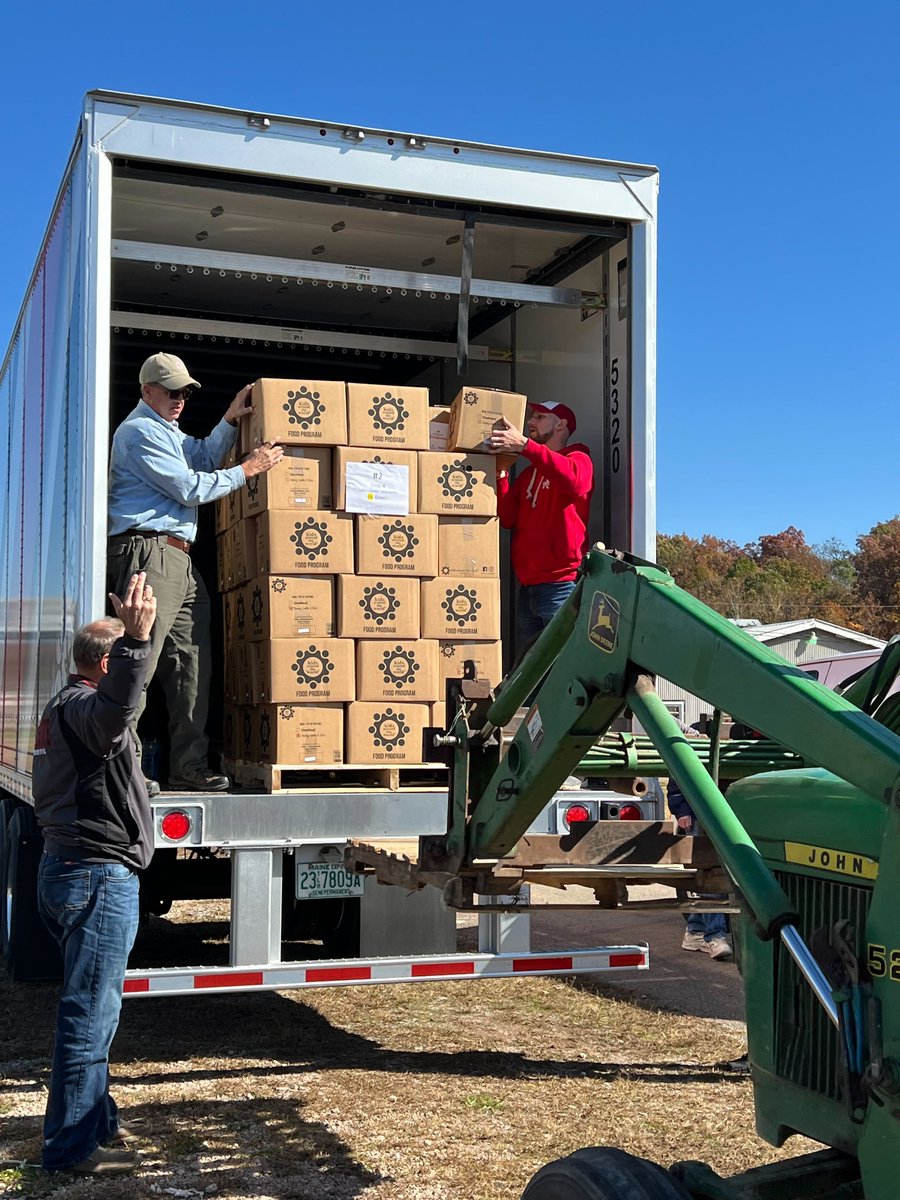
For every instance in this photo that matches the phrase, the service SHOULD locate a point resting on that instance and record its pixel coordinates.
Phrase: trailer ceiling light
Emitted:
(630, 812)
(176, 825)
(575, 814)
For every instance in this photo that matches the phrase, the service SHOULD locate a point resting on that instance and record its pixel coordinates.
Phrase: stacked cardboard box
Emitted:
(360, 572)
(280, 544)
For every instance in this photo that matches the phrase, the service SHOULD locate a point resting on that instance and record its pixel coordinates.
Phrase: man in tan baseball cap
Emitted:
(158, 478)
(168, 370)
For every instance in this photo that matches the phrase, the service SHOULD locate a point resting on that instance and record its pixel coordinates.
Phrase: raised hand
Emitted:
(137, 610)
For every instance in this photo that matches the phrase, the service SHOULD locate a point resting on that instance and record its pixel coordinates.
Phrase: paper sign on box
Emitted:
(381, 489)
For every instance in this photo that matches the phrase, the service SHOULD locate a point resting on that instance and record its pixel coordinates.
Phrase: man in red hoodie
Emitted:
(546, 508)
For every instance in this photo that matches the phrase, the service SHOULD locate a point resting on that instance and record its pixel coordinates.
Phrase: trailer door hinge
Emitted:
(592, 303)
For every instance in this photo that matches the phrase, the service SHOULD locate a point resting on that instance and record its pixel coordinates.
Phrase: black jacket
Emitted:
(90, 798)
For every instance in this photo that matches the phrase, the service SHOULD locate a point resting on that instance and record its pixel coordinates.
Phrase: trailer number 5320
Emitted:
(615, 421)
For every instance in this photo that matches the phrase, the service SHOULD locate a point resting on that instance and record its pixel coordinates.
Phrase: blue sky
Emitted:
(775, 130)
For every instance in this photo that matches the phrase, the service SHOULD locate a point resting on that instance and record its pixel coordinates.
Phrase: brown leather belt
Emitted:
(179, 543)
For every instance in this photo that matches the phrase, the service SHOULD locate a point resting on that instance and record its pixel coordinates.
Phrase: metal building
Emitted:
(796, 641)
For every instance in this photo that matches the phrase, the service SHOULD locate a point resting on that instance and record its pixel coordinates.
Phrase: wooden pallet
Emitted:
(288, 777)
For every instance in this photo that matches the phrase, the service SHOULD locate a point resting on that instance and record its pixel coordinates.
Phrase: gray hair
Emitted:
(95, 640)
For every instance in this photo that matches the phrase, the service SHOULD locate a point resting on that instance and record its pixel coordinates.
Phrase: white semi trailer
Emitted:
(259, 245)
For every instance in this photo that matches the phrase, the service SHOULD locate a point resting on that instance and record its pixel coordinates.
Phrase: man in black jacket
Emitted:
(91, 801)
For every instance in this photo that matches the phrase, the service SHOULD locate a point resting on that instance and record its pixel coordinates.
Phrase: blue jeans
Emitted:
(709, 925)
(536, 606)
(92, 911)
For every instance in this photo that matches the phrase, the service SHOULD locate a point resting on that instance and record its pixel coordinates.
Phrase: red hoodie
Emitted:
(547, 509)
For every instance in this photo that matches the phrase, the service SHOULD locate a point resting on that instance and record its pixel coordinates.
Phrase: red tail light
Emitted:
(574, 814)
(630, 812)
(175, 825)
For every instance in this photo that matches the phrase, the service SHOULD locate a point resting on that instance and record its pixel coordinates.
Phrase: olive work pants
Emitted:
(181, 653)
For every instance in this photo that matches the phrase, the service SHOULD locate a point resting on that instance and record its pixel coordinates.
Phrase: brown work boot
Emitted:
(106, 1160)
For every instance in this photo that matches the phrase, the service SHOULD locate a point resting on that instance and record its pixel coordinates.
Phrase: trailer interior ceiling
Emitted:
(377, 277)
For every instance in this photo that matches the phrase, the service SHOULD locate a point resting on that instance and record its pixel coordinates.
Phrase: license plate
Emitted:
(326, 881)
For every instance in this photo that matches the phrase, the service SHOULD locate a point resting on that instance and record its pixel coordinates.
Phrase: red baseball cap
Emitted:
(562, 411)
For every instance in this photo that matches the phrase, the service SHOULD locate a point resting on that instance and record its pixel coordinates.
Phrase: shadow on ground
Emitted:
(227, 1136)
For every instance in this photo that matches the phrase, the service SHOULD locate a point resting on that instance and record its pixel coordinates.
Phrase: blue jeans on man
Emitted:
(708, 924)
(92, 911)
(536, 606)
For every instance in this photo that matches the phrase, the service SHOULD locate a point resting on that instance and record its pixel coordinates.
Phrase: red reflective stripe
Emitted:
(626, 960)
(244, 979)
(136, 985)
(422, 970)
(542, 964)
(328, 974)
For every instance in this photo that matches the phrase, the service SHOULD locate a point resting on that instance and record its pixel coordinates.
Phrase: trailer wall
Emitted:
(42, 506)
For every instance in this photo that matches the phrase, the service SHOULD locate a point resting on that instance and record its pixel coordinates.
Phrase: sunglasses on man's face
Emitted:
(180, 393)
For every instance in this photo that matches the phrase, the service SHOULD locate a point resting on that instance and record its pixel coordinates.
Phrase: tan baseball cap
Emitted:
(168, 371)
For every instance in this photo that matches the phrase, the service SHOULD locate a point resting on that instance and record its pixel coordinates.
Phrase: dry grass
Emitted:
(425, 1092)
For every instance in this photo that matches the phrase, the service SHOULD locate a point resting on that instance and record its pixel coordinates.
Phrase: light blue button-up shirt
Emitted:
(158, 475)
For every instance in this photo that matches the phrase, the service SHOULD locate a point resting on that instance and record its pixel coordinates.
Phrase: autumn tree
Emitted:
(877, 565)
(778, 578)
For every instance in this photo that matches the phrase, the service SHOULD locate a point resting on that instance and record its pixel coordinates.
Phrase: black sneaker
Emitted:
(200, 781)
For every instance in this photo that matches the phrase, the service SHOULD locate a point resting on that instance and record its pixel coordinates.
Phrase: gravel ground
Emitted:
(424, 1092)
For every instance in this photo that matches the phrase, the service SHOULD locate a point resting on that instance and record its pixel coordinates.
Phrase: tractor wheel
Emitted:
(603, 1173)
(31, 953)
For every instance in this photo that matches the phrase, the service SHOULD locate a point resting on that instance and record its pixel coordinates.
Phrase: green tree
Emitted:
(838, 560)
